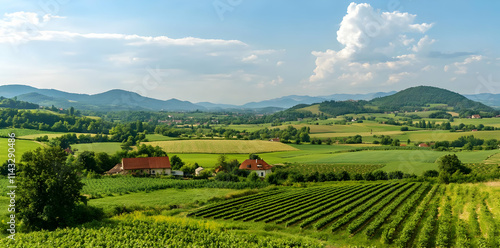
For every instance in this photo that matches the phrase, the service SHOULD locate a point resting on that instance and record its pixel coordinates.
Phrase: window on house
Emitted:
(262, 174)
(152, 172)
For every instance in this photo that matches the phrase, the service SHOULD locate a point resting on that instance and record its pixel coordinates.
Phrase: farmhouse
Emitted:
(258, 165)
(275, 140)
(423, 145)
(476, 117)
(152, 166)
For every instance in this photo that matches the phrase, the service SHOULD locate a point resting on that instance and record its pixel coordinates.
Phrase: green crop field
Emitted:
(158, 137)
(408, 161)
(440, 135)
(376, 215)
(162, 198)
(352, 169)
(107, 147)
(20, 132)
(221, 146)
(21, 147)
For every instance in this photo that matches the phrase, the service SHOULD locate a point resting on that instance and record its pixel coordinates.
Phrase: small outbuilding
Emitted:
(197, 171)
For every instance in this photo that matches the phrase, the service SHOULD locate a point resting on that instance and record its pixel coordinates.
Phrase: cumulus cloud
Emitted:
(461, 67)
(379, 39)
(395, 78)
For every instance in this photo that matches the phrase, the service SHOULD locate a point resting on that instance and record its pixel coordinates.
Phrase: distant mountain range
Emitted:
(115, 100)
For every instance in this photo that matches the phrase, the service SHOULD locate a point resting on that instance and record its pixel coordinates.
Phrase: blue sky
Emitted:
(237, 51)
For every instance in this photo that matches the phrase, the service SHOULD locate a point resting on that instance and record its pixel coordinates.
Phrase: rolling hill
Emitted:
(421, 96)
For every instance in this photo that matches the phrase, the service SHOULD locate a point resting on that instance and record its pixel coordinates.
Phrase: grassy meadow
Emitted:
(108, 147)
(21, 147)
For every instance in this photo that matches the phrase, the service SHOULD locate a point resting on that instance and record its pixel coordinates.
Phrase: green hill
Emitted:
(421, 96)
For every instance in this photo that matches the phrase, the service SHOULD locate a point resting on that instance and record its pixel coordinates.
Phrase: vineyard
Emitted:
(406, 214)
(352, 169)
(138, 230)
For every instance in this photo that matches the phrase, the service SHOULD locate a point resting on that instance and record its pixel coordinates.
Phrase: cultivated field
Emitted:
(376, 214)
(221, 146)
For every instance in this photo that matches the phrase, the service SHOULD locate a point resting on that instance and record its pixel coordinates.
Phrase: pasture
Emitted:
(221, 146)
(20, 132)
(107, 147)
(21, 147)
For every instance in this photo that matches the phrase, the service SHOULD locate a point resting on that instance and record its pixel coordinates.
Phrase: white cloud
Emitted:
(372, 37)
(395, 78)
(22, 27)
(250, 58)
(422, 43)
(427, 68)
(277, 81)
(461, 67)
(356, 78)
(279, 63)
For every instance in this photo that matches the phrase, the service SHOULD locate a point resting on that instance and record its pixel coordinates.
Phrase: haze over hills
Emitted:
(126, 100)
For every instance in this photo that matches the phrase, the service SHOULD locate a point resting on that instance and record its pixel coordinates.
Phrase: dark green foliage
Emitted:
(431, 173)
(48, 189)
(336, 108)
(253, 177)
(395, 175)
(176, 162)
(440, 115)
(380, 175)
(450, 164)
(16, 104)
(227, 177)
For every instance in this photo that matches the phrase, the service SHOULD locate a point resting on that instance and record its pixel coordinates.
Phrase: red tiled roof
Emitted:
(146, 163)
(255, 164)
(423, 145)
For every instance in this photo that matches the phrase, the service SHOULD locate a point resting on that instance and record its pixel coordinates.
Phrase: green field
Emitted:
(306, 169)
(20, 132)
(221, 146)
(162, 198)
(440, 135)
(107, 147)
(158, 137)
(21, 147)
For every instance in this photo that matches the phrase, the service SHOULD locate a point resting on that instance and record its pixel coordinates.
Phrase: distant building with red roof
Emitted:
(258, 165)
(423, 145)
(151, 166)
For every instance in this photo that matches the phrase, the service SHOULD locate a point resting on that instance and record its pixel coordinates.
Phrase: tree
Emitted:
(253, 177)
(48, 189)
(86, 160)
(176, 163)
(253, 156)
(431, 173)
(450, 164)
